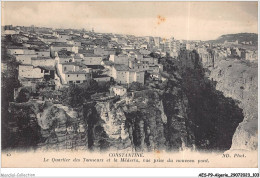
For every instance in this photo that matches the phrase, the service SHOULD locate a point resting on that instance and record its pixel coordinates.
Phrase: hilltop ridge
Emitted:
(240, 37)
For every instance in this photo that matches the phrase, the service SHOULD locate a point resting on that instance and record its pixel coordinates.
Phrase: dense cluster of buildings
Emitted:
(58, 57)
(51, 59)
(67, 56)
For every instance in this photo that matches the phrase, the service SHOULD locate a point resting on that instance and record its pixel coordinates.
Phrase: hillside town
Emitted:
(42, 65)
(60, 57)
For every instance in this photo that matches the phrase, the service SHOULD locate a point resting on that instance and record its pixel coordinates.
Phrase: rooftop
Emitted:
(59, 44)
(16, 47)
(49, 37)
(118, 87)
(95, 66)
(71, 63)
(47, 67)
(108, 63)
(101, 76)
(77, 72)
(41, 58)
(121, 67)
(77, 57)
(64, 56)
(90, 55)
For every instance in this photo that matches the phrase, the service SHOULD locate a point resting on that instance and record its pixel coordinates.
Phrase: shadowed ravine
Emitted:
(186, 111)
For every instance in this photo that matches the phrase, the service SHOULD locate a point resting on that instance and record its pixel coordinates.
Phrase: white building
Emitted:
(124, 75)
(120, 59)
(72, 72)
(43, 61)
(92, 59)
(118, 90)
(62, 37)
(56, 47)
(151, 60)
(144, 51)
(17, 51)
(64, 59)
(25, 58)
(139, 66)
(10, 32)
(77, 76)
(43, 53)
(49, 39)
(104, 52)
(30, 72)
(154, 69)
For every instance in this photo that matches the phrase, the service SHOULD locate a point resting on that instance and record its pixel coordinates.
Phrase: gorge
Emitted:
(196, 107)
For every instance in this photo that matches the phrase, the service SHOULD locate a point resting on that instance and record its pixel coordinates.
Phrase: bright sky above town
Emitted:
(181, 20)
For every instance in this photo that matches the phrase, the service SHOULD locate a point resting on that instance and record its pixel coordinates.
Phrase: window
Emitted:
(77, 75)
(65, 68)
(41, 71)
(78, 81)
(70, 82)
(68, 75)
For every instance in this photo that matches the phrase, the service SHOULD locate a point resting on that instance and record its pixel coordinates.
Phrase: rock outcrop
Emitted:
(183, 112)
(213, 117)
(238, 79)
(50, 125)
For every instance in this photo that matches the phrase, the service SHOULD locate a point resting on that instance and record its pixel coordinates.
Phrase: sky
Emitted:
(181, 20)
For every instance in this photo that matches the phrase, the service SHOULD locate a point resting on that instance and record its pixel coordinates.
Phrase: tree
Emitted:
(118, 51)
(23, 96)
(155, 55)
(136, 86)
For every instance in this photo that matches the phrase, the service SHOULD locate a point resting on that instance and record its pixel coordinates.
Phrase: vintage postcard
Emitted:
(129, 84)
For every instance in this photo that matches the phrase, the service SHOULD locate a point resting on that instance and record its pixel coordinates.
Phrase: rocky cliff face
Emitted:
(185, 111)
(213, 117)
(42, 125)
(137, 122)
(238, 80)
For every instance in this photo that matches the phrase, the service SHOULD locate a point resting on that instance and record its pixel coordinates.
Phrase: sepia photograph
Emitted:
(129, 84)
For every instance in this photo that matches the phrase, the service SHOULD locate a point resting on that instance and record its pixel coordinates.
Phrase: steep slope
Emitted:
(238, 80)
(214, 116)
(184, 111)
(142, 121)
